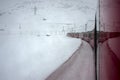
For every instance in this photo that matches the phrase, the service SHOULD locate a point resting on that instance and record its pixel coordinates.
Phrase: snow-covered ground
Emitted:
(33, 40)
(33, 58)
(32, 14)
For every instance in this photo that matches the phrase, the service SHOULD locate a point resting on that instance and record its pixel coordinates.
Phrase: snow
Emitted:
(74, 12)
(32, 57)
(34, 45)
